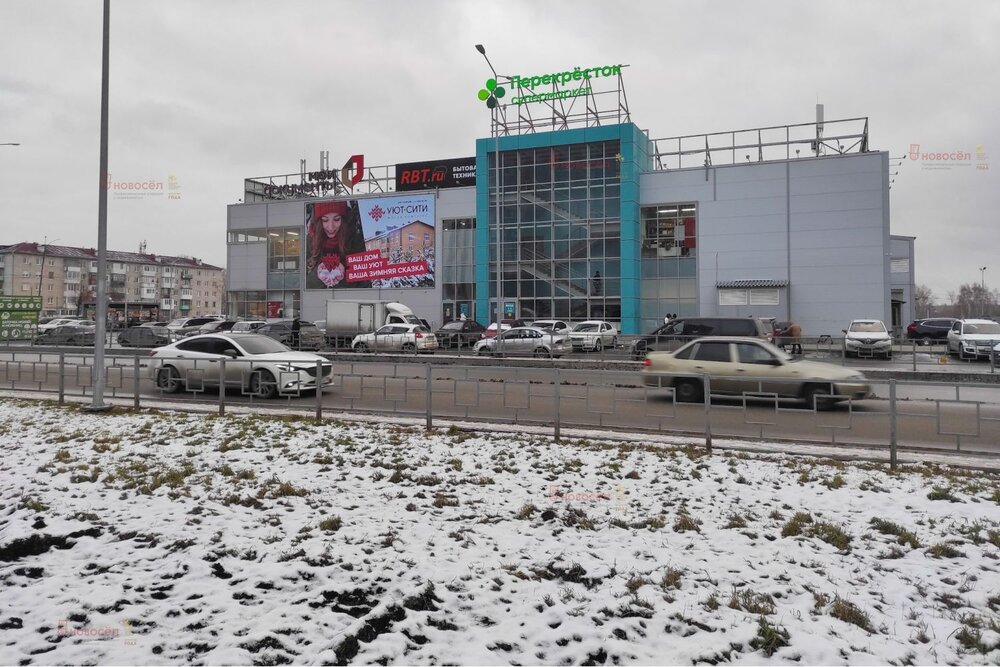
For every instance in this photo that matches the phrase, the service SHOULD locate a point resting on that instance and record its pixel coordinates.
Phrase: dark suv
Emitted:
(675, 333)
(928, 331)
(459, 332)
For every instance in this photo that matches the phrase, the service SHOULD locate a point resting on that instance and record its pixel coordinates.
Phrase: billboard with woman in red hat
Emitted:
(332, 235)
(385, 242)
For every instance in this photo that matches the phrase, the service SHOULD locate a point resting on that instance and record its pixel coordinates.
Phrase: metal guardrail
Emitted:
(949, 418)
(909, 355)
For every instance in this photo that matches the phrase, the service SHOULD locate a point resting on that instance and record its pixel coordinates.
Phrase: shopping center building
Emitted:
(598, 220)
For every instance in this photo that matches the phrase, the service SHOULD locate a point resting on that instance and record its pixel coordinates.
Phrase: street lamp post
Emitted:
(98, 404)
(494, 107)
(41, 270)
(982, 287)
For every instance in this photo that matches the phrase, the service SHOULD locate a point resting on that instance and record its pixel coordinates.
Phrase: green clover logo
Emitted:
(491, 93)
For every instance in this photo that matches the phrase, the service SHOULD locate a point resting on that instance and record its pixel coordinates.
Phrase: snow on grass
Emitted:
(146, 537)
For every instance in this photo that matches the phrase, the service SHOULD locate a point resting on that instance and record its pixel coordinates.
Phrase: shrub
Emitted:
(686, 522)
(769, 637)
(794, 525)
(755, 603)
(943, 550)
(847, 611)
(331, 524)
(903, 536)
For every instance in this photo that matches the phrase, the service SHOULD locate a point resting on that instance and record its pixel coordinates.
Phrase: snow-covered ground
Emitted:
(167, 538)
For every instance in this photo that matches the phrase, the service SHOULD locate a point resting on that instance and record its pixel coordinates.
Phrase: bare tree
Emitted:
(973, 300)
(923, 299)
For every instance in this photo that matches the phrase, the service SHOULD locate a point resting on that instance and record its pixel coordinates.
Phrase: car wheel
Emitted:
(168, 380)
(598, 345)
(262, 384)
(542, 353)
(814, 394)
(483, 351)
(361, 347)
(924, 340)
(409, 348)
(689, 391)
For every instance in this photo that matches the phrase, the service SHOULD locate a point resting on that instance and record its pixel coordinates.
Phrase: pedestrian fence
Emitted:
(897, 415)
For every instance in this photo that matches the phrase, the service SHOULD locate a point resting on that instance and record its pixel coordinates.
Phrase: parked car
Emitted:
(181, 322)
(405, 338)
(491, 330)
(556, 326)
(66, 334)
(973, 338)
(931, 330)
(257, 364)
(677, 332)
(247, 326)
(459, 332)
(594, 335)
(55, 322)
(310, 337)
(144, 336)
(216, 326)
(526, 341)
(867, 338)
(736, 365)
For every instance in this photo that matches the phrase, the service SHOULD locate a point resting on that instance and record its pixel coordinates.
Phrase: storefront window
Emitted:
(284, 248)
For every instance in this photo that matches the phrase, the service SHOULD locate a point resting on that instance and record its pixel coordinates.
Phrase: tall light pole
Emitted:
(98, 404)
(41, 271)
(495, 92)
(982, 287)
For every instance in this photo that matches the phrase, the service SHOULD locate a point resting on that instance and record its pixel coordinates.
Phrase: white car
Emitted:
(181, 322)
(867, 338)
(407, 338)
(247, 326)
(61, 321)
(556, 326)
(526, 341)
(973, 338)
(594, 335)
(738, 365)
(259, 365)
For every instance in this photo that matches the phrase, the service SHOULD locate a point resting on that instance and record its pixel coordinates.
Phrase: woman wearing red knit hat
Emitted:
(329, 232)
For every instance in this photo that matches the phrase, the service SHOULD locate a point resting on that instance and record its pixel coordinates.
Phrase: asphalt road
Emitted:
(953, 417)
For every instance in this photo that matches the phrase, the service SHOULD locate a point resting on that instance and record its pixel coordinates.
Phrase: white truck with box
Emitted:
(347, 319)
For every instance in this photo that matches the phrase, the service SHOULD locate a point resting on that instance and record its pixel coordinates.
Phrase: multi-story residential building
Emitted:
(140, 286)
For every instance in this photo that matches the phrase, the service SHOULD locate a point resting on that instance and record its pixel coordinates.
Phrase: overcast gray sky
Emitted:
(213, 92)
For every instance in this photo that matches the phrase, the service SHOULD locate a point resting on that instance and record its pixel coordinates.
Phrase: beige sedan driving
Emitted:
(750, 366)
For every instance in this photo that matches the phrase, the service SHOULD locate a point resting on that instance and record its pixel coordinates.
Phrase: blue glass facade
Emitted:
(569, 237)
